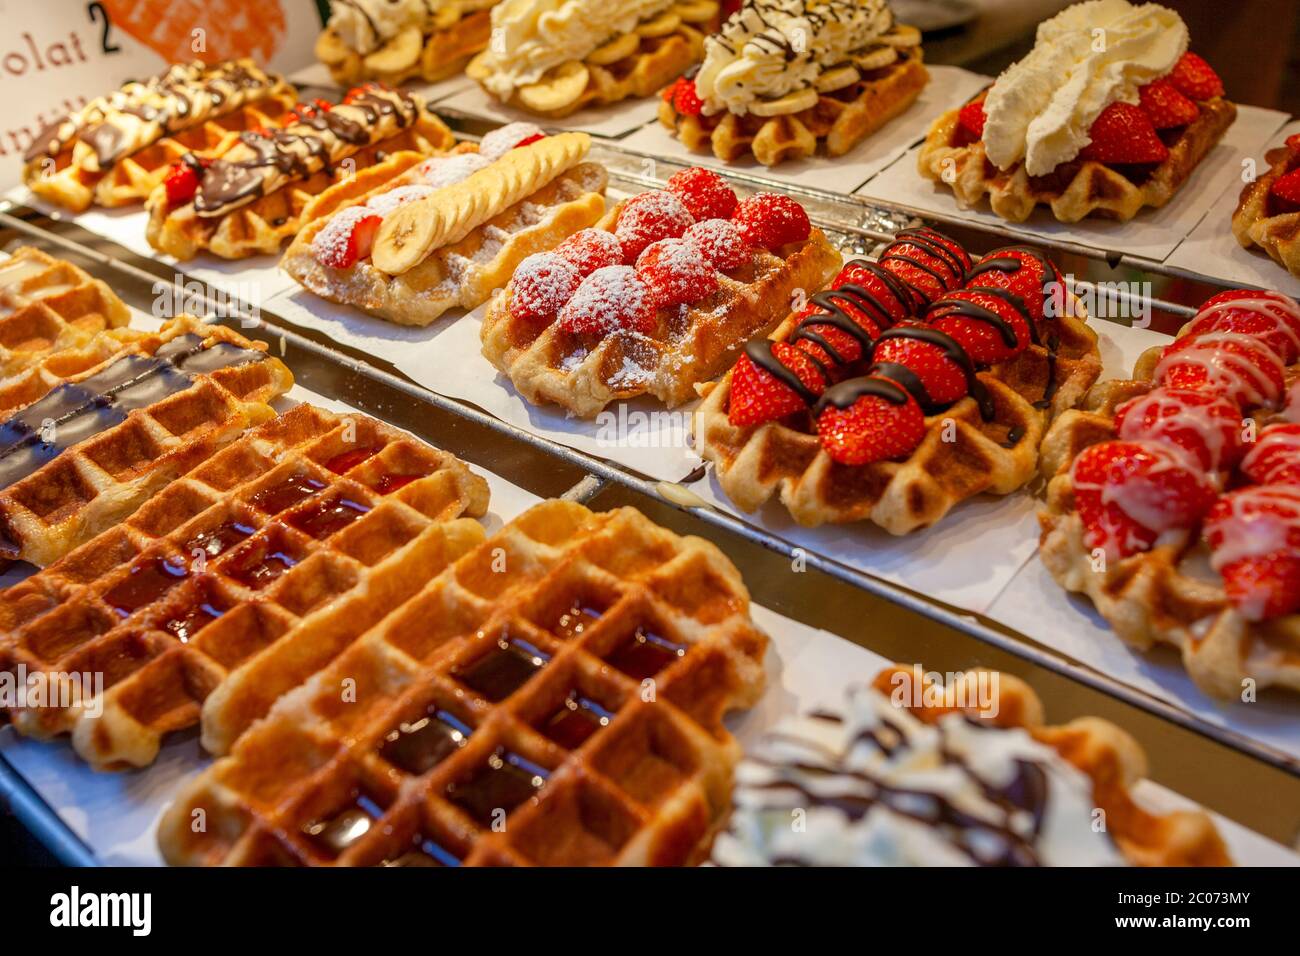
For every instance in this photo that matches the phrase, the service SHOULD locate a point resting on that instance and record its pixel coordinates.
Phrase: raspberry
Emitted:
(608, 300)
(720, 243)
(649, 217)
(704, 193)
(591, 249)
(676, 272)
(541, 286)
(771, 220)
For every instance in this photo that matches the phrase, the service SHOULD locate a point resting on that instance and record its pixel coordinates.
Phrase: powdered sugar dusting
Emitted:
(387, 201)
(440, 171)
(542, 284)
(330, 244)
(649, 217)
(605, 298)
(720, 242)
(500, 141)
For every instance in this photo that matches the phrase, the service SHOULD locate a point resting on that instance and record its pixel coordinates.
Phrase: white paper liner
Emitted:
(610, 121)
(949, 87)
(1212, 250)
(1151, 234)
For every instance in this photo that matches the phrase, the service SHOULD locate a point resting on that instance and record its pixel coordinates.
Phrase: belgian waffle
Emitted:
(639, 63)
(437, 45)
(527, 200)
(47, 305)
(98, 445)
(118, 148)
(881, 88)
(987, 441)
(564, 711)
(1168, 594)
(688, 345)
(860, 775)
(249, 200)
(1259, 221)
(239, 579)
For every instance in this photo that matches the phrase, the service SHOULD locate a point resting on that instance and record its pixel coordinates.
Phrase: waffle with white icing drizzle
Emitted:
(846, 68)
(251, 198)
(554, 697)
(517, 193)
(102, 441)
(48, 305)
(1265, 217)
(239, 580)
(116, 149)
(856, 411)
(1081, 128)
(555, 57)
(656, 298)
(393, 41)
(945, 778)
(1173, 500)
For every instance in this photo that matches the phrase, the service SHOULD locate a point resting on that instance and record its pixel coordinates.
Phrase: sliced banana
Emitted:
(479, 68)
(660, 26)
(875, 59)
(795, 102)
(399, 53)
(902, 36)
(330, 48)
(696, 11)
(561, 87)
(615, 50)
(403, 239)
(837, 78)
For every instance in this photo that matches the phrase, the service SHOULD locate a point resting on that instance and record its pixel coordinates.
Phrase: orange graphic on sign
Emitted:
(212, 30)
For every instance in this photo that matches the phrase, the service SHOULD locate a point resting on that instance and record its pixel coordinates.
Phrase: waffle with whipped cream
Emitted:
(251, 198)
(1267, 216)
(117, 148)
(1085, 129)
(393, 41)
(910, 772)
(553, 57)
(782, 76)
(238, 581)
(1173, 500)
(517, 193)
(555, 697)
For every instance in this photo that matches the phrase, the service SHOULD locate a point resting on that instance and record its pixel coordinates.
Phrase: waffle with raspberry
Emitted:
(518, 192)
(251, 198)
(912, 383)
(1268, 212)
(656, 298)
(1174, 497)
(1137, 151)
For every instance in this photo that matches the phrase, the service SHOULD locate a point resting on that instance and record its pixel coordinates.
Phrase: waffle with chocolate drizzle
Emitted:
(117, 149)
(985, 441)
(251, 199)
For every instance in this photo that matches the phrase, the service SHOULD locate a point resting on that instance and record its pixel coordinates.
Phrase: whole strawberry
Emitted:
(1195, 78)
(865, 420)
(1165, 106)
(720, 243)
(676, 272)
(704, 193)
(930, 263)
(1123, 134)
(591, 249)
(758, 396)
(1024, 272)
(939, 364)
(648, 217)
(986, 322)
(877, 291)
(771, 220)
(541, 286)
(609, 300)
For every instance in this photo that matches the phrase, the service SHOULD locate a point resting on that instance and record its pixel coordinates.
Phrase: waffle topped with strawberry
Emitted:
(1086, 129)
(657, 297)
(1174, 497)
(1268, 210)
(912, 383)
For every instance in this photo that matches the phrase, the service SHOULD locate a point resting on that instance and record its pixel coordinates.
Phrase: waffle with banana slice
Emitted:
(767, 89)
(251, 198)
(447, 231)
(117, 148)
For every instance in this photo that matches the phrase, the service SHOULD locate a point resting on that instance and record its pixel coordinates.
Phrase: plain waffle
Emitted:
(688, 346)
(47, 305)
(1076, 189)
(1168, 594)
(657, 51)
(454, 33)
(554, 697)
(99, 444)
(555, 196)
(253, 196)
(1260, 221)
(240, 579)
(118, 148)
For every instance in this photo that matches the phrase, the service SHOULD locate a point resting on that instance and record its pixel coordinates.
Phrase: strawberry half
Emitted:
(1123, 134)
(885, 298)
(1193, 77)
(1241, 369)
(970, 123)
(1275, 457)
(1285, 191)
(1254, 537)
(988, 325)
(182, 180)
(1026, 273)
(869, 419)
(346, 238)
(704, 193)
(758, 396)
(1166, 107)
(929, 263)
(1207, 426)
(943, 379)
(1263, 316)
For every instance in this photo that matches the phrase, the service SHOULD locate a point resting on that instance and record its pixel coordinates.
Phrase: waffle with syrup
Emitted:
(908, 741)
(1267, 221)
(48, 305)
(432, 42)
(251, 198)
(666, 350)
(1170, 593)
(555, 697)
(841, 105)
(118, 148)
(240, 579)
(102, 441)
(985, 440)
(638, 63)
(517, 193)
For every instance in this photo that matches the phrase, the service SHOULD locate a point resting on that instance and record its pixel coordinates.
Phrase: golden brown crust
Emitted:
(1256, 223)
